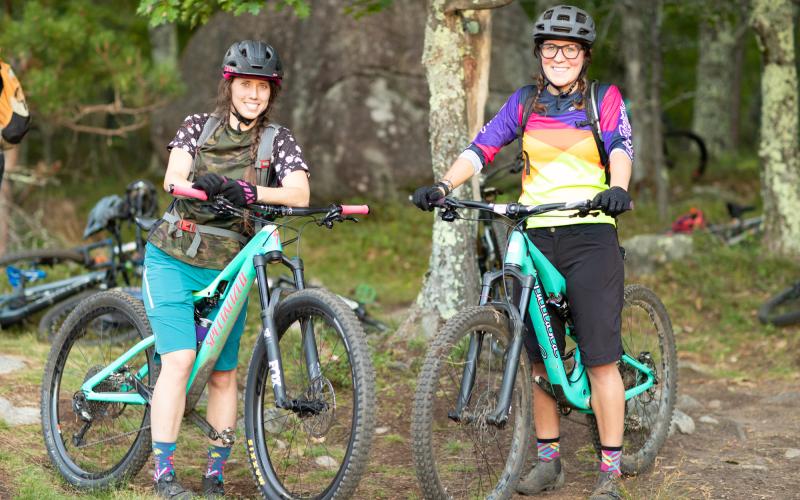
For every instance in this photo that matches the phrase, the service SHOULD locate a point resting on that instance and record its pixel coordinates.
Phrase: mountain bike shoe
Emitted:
(168, 486)
(213, 487)
(544, 476)
(606, 487)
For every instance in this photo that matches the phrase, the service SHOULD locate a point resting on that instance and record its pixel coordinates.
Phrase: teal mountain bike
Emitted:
(471, 423)
(309, 404)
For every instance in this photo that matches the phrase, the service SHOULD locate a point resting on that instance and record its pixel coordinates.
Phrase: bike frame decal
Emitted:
(240, 276)
(524, 254)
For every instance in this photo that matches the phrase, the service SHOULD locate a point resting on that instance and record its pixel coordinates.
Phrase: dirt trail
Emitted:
(738, 452)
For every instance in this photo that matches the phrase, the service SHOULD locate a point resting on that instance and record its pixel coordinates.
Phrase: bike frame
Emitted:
(539, 281)
(247, 268)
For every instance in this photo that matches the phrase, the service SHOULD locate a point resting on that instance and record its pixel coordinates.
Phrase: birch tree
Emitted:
(774, 24)
(456, 60)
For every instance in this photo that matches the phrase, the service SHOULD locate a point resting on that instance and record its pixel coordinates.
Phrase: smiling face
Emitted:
(558, 68)
(250, 96)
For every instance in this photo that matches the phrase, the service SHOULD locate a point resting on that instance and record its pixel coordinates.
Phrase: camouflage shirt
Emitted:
(225, 152)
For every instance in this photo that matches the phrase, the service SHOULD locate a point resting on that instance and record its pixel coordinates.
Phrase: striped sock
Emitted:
(217, 456)
(610, 457)
(548, 449)
(162, 454)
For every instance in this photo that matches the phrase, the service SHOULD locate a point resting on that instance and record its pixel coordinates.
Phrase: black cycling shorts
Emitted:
(589, 257)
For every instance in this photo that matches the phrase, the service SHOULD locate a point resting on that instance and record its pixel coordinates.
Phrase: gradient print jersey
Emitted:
(565, 164)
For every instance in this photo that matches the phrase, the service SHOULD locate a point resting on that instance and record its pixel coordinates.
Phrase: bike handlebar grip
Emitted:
(355, 209)
(198, 194)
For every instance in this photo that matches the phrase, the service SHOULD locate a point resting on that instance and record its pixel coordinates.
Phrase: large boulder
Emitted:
(354, 94)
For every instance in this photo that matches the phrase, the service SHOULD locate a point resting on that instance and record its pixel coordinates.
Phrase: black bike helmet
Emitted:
(564, 22)
(252, 58)
(142, 198)
(107, 210)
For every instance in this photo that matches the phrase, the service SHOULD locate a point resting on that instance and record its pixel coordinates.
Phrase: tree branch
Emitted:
(108, 132)
(453, 6)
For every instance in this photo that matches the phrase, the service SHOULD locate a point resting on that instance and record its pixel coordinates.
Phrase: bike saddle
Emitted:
(146, 223)
(736, 211)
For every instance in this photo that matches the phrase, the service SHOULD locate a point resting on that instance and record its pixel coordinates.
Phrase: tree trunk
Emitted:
(716, 95)
(773, 22)
(457, 65)
(642, 23)
(656, 130)
(163, 52)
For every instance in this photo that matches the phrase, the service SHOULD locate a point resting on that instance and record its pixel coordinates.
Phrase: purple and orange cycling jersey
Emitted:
(564, 161)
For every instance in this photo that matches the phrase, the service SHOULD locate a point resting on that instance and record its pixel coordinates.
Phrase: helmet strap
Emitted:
(240, 119)
(561, 93)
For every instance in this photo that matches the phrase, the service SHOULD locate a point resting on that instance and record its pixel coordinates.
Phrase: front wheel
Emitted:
(322, 452)
(97, 444)
(470, 458)
(646, 336)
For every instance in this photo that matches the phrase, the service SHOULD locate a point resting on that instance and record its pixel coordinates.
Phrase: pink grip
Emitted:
(188, 192)
(355, 209)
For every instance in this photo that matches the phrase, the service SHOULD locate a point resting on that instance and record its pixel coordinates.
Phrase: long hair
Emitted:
(583, 82)
(222, 110)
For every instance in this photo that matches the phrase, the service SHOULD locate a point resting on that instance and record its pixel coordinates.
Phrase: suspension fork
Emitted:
(500, 415)
(268, 330)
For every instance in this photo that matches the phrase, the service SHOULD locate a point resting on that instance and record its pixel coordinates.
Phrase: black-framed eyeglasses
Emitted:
(570, 51)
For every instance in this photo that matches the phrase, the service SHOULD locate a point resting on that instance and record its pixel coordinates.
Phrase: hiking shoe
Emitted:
(544, 476)
(213, 487)
(168, 486)
(606, 487)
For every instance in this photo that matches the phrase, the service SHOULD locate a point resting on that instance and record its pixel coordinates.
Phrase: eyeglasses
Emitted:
(550, 50)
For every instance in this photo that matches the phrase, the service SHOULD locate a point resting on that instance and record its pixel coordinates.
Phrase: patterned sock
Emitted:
(609, 459)
(162, 453)
(217, 456)
(548, 449)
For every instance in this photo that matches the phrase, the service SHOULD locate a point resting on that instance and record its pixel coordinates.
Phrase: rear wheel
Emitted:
(647, 337)
(685, 155)
(471, 458)
(782, 309)
(97, 444)
(322, 452)
(52, 320)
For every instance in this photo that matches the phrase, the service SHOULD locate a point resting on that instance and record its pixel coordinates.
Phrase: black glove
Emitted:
(426, 197)
(240, 193)
(613, 201)
(210, 183)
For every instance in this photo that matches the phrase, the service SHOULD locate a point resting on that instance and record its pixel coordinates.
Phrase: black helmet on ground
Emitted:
(108, 209)
(252, 58)
(142, 198)
(564, 22)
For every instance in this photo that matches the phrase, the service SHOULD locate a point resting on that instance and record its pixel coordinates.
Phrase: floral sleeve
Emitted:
(188, 133)
(288, 155)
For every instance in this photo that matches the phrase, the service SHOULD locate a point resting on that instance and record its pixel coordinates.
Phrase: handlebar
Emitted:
(516, 210)
(276, 210)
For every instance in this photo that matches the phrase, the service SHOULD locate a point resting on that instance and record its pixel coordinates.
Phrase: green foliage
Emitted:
(74, 54)
(197, 12)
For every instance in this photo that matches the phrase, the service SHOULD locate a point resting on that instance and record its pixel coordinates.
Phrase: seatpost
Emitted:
(268, 331)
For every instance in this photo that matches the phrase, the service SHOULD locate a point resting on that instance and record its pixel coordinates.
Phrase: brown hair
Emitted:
(583, 82)
(222, 110)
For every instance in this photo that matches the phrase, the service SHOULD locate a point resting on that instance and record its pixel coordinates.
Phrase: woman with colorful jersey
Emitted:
(565, 165)
(191, 244)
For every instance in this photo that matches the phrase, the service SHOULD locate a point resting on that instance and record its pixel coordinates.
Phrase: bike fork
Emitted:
(268, 332)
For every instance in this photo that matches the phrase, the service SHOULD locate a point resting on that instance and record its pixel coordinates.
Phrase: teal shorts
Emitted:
(167, 286)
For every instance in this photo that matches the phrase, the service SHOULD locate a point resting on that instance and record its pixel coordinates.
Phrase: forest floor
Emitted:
(744, 445)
